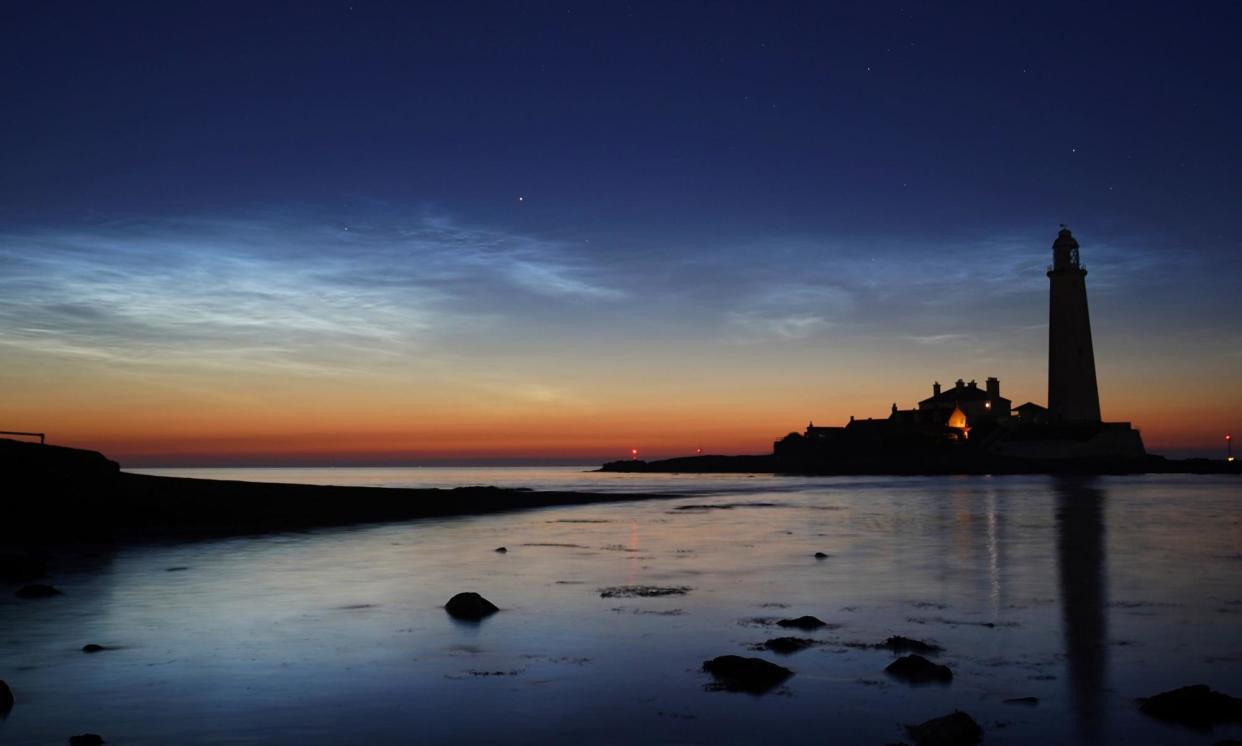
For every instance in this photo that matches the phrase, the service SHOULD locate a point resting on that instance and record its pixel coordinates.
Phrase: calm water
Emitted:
(1085, 594)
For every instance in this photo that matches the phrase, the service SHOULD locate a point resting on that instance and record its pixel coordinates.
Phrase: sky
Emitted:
(356, 232)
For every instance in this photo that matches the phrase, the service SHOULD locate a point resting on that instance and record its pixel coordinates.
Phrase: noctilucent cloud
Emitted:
(236, 233)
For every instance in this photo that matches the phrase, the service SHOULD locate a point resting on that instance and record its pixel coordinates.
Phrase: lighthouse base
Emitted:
(1050, 442)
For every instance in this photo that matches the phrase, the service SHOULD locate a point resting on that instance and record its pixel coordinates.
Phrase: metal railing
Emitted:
(41, 436)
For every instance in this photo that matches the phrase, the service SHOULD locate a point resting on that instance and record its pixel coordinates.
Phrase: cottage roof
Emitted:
(956, 394)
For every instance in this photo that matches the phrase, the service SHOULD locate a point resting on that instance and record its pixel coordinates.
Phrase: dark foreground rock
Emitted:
(899, 644)
(753, 675)
(6, 697)
(803, 622)
(502, 550)
(86, 739)
(1197, 706)
(820, 556)
(1031, 701)
(93, 648)
(918, 670)
(788, 645)
(471, 606)
(958, 729)
(37, 590)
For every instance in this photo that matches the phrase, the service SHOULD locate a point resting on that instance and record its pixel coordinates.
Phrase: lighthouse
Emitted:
(1073, 395)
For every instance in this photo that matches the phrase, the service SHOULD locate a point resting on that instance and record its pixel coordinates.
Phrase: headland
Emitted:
(68, 495)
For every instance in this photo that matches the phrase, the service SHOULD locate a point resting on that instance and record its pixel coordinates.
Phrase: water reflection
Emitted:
(340, 635)
(1083, 586)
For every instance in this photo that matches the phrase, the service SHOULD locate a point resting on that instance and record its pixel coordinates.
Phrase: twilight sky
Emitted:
(267, 233)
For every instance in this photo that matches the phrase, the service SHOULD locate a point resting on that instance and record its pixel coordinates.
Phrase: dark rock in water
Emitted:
(178, 568)
(38, 590)
(86, 739)
(899, 644)
(803, 622)
(788, 645)
(21, 566)
(6, 697)
(1196, 706)
(1022, 701)
(918, 670)
(958, 729)
(93, 648)
(820, 555)
(502, 550)
(643, 591)
(737, 674)
(470, 605)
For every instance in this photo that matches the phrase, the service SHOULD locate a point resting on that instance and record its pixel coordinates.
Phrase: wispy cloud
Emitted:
(272, 291)
(791, 311)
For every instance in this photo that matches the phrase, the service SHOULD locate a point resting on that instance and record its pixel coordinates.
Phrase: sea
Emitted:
(1075, 596)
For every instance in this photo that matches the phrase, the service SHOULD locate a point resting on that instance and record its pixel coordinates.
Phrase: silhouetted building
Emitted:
(1073, 395)
(1031, 412)
(977, 404)
(966, 424)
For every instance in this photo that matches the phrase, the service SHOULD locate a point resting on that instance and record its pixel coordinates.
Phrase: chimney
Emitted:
(993, 387)
(936, 388)
(960, 383)
(973, 385)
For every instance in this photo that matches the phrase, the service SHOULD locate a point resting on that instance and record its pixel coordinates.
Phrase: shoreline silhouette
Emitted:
(72, 495)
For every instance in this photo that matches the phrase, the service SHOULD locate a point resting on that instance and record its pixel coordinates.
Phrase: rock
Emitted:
(470, 605)
(958, 729)
(86, 739)
(643, 591)
(6, 697)
(918, 670)
(21, 566)
(1022, 701)
(899, 644)
(803, 622)
(737, 674)
(820, 555)
(502, 550)
(788, 645)
(93, 648)
(37, 590)
(1196, 706)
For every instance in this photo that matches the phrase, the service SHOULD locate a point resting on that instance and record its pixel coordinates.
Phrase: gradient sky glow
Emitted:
(274, 233)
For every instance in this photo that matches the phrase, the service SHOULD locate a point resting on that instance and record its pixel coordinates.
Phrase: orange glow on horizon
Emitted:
(735, 402)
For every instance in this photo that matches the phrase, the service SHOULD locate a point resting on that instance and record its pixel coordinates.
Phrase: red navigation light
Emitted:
(1228, 437)
(633, 453)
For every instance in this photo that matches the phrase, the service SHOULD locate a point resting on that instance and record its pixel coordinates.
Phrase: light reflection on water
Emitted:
(1083, 593)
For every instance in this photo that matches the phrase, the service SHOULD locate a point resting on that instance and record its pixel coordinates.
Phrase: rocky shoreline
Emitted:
(907, 464)
(66, 495)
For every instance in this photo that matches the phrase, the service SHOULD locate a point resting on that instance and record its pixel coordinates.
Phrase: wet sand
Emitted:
(1056, 604)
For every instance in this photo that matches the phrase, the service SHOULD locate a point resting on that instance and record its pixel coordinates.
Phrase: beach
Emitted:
(1083, 594)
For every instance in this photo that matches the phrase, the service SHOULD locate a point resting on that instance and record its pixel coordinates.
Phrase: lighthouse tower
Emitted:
(1073, 395)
